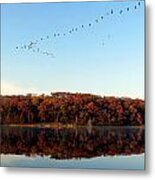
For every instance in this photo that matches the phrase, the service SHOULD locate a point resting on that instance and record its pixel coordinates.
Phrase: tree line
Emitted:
(71, 108)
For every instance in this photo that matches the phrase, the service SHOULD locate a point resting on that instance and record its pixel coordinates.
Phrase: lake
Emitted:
(81, 147)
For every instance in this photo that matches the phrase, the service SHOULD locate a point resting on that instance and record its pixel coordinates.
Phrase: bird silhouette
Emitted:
(30, 46)
(33, 45)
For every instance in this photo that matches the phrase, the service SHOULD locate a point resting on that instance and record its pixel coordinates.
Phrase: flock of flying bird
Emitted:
(34, 45)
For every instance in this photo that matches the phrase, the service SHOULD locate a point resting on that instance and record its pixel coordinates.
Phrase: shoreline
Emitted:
(72, 126)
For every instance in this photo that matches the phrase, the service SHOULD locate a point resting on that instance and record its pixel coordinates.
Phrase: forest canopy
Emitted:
(71, 108)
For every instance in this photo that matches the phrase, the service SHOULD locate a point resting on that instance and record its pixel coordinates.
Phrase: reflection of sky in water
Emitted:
(108, 162)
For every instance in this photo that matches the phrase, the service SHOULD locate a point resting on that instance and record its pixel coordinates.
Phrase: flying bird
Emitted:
(139, 3)
(89, 25)
(82, 26)
(135, 7)
(112, 11)
(121, 11)
(101, 17)
(30, 46)
(127, 9)
(31, 43)
(96, 20)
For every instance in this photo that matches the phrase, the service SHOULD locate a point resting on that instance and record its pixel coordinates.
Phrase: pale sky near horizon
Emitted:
(106, 58)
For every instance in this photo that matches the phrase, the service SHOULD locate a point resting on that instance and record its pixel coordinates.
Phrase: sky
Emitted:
(106, 58)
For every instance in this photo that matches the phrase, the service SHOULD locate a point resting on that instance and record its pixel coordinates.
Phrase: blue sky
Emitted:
(106, 58)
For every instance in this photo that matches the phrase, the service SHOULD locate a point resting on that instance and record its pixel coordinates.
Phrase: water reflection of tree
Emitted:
(72, 143)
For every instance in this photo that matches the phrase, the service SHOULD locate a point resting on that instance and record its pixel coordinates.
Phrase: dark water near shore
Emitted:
(83, 147)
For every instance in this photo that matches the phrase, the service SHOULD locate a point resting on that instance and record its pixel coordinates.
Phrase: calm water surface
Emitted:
(97, 147)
